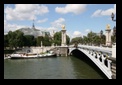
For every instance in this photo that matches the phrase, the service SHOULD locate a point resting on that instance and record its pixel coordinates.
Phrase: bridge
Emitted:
(100, 56)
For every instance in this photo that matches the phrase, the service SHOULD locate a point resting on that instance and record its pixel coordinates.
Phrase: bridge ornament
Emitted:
(63, 27)
(98, 56)
(107, 26)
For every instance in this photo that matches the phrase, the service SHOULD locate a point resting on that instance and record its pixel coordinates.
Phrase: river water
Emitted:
(50, 68)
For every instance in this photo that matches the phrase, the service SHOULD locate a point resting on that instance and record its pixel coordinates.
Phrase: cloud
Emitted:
(11, 27)
(77, 34)
(52, 30)
(42, 21)
(25, 11)
(87, 30)
(107, 12)
(73, 8)
(57, 23)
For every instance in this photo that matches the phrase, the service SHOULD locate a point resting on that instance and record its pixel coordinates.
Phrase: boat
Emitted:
(23, 55)
(7, 56)
(45, 55)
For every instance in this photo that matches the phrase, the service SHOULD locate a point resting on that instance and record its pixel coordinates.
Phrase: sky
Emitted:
(79, 19)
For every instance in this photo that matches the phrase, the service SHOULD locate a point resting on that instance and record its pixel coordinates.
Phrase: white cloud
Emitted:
(52, 29)
(11, 27)
(107, 12)
(77, 34)
(87, 30)
(73, 8)
(57, 23)
(42, 21)
(25, 11)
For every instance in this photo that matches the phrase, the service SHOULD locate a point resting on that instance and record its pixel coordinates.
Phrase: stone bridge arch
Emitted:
(98, 57)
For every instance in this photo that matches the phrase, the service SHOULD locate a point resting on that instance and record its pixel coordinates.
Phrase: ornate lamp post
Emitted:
(112, 16)
(101, 33)
(114, 29)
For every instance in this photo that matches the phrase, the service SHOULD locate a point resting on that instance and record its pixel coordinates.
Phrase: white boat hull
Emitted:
(20, 56)
(28, 56)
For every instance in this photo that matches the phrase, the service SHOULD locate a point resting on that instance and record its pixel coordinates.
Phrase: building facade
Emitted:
(33, 31)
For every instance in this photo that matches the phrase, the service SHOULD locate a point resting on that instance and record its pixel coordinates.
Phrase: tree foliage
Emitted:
(58, 38)
(91, 39)
(6, 41)
(47, 40)
(29, 40)
(39, 40)
(18, 39)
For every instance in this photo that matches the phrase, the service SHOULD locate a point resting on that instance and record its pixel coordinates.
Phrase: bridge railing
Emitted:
(100, 58)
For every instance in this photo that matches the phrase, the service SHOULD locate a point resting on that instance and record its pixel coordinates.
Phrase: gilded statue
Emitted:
(63, 27)
(107, 26)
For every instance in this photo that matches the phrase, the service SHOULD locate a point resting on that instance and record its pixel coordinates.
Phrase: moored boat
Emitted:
(45, 55)
(23, 55)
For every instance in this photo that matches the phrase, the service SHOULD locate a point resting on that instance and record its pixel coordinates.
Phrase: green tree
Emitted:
(47, 41)
(113, 39)
(19, 38)
(103, 38)
(39, 39)
(57, 38)
(29, 40)
(6, 43)
(15, 39)
(11, 39)
(67, 40)
(76, 40)
(85, 40)
(91, 36)
(96, 40)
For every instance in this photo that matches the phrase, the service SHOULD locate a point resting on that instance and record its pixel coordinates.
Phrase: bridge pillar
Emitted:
(63, 43)
(108, 35)
(63, 51)
(113, 59)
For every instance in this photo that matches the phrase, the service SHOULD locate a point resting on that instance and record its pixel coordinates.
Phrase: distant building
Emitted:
(33, 31)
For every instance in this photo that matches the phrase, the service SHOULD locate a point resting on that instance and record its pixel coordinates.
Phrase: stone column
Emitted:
(114, 51)
(113, 64)
(108, 35)
(63, 48)
(63, 43)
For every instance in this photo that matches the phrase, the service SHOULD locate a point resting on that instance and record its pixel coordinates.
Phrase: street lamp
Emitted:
(101, 33)
(114, 31)
(112, 16)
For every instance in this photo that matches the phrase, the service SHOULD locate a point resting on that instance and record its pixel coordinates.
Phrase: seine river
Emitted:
(50, 68)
